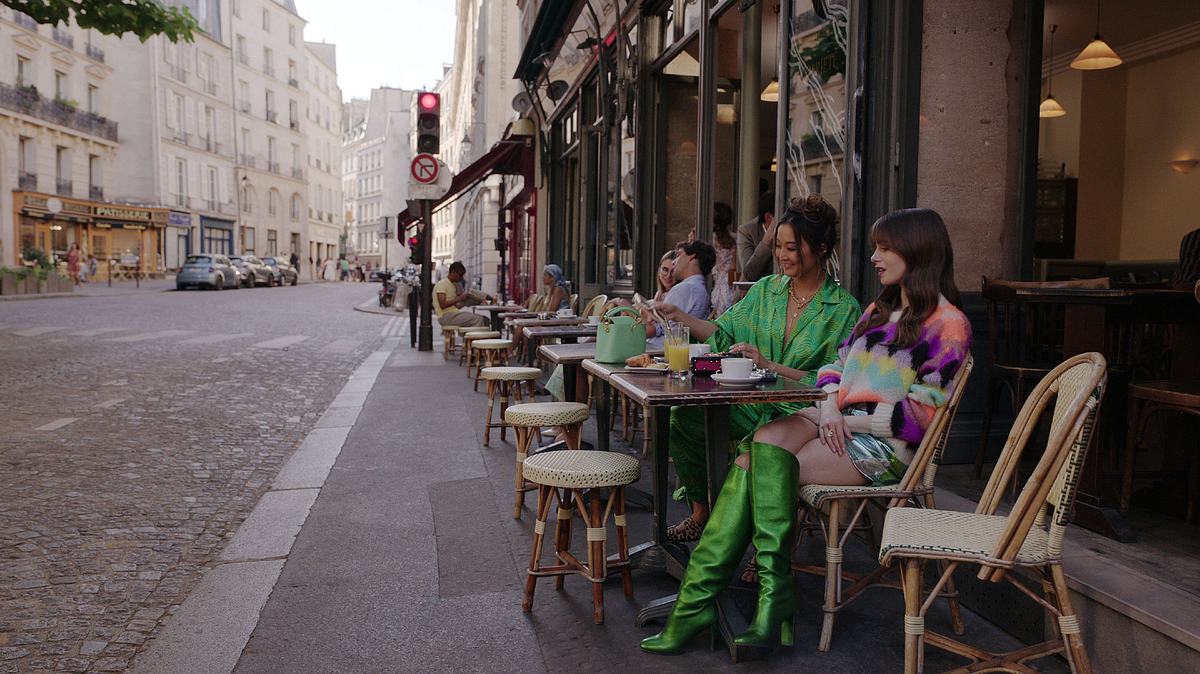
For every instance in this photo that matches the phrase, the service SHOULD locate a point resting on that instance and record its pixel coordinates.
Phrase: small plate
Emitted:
(654, 370)
(725, 380)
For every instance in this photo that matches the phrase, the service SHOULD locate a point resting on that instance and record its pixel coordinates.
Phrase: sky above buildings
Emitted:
(398, 43)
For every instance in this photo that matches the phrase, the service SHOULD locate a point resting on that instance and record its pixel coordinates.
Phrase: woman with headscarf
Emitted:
(557, 288)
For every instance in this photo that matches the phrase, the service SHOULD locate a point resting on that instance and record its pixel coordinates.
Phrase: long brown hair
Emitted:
(919, 236)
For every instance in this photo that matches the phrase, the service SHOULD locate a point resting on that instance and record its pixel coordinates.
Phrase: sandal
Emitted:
(750, 572)
(685, 531)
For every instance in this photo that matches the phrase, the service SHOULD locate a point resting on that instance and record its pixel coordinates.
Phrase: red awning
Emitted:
(512, 156)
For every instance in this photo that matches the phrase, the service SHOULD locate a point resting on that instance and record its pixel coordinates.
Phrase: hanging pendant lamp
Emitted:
(1097, 55)
(1050, 107)
(771, 93)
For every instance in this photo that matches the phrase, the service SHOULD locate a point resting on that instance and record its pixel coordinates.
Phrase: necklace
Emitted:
(801, 302)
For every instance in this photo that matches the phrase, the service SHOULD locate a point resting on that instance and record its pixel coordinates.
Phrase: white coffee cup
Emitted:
(565, 313)
(737, 368)
(593, 320)
(695, 350)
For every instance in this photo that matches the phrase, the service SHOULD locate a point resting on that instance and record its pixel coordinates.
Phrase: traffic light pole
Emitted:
(425, 333)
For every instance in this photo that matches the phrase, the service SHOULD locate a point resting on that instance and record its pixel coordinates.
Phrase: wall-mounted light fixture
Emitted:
(1184, 165)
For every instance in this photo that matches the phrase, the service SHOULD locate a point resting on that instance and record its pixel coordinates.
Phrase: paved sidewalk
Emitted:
(409, 560)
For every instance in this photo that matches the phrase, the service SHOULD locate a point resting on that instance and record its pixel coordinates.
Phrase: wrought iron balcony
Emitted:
(177, 72)
(95, 53)
(64, 38)
(25, 21)
(297, 172)
(96, 193)
(268, 70)
(247, 160)
(27, 181)
(272, 116)
(273, 166)
(243, 58)
(210, 88)
(293, 82)
(28, 101)
(295, 124)
(64, 188)
(244, 106)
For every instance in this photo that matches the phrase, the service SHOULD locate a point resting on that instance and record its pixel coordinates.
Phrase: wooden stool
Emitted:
(528, 420)
(488, 352)
(563, 476)
(469, 335)
(449, 341)
(500, 380)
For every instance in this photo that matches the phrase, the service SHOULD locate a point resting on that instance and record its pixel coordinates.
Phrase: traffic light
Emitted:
(429, 124)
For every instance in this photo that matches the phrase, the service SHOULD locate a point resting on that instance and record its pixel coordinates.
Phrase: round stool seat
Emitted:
(582, 469)
(546, 414)
(480, 333)
(492, 344)
(510, 373)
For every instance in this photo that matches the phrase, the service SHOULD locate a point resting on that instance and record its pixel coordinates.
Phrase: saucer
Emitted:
(725, 380)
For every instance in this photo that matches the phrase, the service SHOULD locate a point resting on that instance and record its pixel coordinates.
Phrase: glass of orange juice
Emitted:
(675, 344)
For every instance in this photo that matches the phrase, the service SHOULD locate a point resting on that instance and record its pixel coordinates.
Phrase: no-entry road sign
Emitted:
(425, 169)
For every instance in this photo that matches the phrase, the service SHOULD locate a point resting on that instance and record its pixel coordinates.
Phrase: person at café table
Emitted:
(791, 323)
(889, 378)
(558, 293)
(449, 300)
(694, 261)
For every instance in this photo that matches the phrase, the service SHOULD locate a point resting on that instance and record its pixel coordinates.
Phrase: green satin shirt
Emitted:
(760, 319)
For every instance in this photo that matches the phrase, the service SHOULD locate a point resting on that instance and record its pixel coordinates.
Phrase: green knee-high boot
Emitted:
(774, 478)
(711, 565)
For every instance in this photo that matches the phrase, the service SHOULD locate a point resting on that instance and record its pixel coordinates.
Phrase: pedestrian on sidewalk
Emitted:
(294, 260)
(73, 262)
(344, 264)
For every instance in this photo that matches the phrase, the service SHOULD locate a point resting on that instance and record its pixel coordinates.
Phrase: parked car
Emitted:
(285, 273)
(252, 271)
(379, 275)
(211, 270)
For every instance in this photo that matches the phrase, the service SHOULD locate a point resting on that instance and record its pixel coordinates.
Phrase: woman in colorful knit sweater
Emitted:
(889, 378)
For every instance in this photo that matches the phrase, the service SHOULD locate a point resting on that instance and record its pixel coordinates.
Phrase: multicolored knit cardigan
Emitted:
(900, 387)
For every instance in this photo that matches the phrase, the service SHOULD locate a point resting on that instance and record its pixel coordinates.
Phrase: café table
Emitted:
(571, 356)
(494, 311)
(1103, 320)
(567, 333)
(659, 393)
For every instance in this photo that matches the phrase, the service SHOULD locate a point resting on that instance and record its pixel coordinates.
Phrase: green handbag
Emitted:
(619, 337)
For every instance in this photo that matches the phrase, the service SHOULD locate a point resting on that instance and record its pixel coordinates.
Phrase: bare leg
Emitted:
(818, 463)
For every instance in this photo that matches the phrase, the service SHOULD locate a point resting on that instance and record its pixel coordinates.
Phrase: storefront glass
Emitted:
(816, 110)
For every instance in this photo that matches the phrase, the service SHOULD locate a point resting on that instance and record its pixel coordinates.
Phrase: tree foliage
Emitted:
(143, 18)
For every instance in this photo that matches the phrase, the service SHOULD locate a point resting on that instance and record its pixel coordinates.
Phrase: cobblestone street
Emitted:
(138, 432)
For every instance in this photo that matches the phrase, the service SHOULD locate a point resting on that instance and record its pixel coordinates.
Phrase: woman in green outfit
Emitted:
(792, 323)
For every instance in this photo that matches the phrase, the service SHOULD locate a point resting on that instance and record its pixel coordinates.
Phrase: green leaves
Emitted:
(143, 18)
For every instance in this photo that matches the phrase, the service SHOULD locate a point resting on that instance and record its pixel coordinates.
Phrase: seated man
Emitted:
(448, 301)
(1189, 260)
(694, 261)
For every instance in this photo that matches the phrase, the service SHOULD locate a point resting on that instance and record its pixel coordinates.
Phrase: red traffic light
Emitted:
(429, 101)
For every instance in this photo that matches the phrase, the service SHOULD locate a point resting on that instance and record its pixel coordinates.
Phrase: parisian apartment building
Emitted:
(226, 144)
(376, 153)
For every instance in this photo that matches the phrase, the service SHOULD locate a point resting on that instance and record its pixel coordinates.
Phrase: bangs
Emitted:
(883, 232)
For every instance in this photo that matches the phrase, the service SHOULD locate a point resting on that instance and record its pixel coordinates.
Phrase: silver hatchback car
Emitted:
(210, 270)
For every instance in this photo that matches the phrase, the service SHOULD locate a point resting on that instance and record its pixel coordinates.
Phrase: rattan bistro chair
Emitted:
(822, 507)
(1029, 538)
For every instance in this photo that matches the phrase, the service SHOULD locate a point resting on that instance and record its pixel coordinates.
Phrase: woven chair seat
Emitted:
(914, 532)
(816, 494)
(582, 469)
(510, 373)
(480, 333)
(490, 344)
(546, 414)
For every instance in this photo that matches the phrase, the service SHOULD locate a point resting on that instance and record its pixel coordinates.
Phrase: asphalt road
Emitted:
(138, 432)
